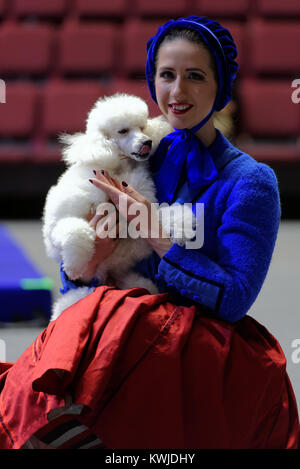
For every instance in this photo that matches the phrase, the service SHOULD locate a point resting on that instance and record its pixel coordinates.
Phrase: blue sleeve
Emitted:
(73, 284)
(245, 239)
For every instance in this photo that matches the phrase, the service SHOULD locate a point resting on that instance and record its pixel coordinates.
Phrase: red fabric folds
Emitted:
(152, 375)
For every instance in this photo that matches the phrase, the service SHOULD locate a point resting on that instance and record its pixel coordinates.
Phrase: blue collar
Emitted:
(222, 151)
(182, 158)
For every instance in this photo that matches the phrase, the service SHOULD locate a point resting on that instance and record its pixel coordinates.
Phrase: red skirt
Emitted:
(125, 369)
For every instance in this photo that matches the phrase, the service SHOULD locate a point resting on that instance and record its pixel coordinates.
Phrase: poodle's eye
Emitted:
(123, 131)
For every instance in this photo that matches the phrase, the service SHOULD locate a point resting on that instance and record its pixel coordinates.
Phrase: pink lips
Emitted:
(180, 108)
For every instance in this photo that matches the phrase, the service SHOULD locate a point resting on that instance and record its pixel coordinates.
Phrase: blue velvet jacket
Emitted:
(241, 220)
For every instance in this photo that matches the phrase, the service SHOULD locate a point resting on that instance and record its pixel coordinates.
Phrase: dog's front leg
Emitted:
(75, 239)
(179, 222)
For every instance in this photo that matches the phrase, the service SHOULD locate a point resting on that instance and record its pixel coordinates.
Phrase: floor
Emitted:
(277, 306)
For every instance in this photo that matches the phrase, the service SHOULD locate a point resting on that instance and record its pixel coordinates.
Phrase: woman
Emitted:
(185, 368)
(240, 196)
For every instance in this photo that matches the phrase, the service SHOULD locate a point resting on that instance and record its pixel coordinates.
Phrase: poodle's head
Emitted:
(121, 119)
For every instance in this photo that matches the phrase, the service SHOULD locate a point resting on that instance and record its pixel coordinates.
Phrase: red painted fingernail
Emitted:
(124, 184)
(91, 181)
(102, 171)
(95, 172)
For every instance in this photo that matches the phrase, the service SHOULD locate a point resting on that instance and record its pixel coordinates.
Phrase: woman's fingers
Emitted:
(118, 192)
(104, 176)
(111, 190)
(135, 195)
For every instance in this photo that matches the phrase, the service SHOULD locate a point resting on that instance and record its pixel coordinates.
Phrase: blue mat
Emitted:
(24, 292)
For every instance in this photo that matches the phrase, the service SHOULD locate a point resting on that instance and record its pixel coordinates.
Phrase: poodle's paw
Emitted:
(179, 222)
(68, 299)
(78, 250)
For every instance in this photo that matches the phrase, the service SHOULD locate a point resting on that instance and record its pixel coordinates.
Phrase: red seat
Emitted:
(18, 114)
(2, 7)
(36, 7)
(274, 47)
(160, 8)
(137, 88)
(267, 109)
(25, 49)
(272, 152)
(135, 36)
(278, 7)
(87, 48)
(101, 7)
(66, 105)
(220, 8)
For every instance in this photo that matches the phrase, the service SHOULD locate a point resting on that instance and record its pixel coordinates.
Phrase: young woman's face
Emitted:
(185, 83)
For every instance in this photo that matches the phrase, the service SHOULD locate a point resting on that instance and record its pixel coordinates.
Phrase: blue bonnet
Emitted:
(220, 43)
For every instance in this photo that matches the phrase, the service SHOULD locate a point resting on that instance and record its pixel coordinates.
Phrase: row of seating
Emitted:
(83, 48)
(121, 8)
(267, 108)
(58, 106)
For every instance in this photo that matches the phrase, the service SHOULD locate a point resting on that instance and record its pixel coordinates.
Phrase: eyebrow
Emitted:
(193, 69)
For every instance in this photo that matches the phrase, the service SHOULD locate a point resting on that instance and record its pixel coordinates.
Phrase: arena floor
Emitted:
(277, 306)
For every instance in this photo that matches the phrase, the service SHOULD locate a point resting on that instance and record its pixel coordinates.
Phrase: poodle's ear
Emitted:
(74, 146)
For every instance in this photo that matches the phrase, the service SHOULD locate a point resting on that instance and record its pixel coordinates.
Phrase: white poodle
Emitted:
(119, 138)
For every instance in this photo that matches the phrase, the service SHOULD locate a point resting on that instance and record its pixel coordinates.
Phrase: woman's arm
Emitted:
(229, 284)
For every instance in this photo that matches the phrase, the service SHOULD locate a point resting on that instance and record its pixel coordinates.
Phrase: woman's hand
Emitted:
(133, 206)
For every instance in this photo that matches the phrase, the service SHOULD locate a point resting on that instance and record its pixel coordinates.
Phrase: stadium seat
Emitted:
(220, 8)
(135, 36)
(272, 152)
(87, 48)
(267, 109)
(25, 49)
(159, 8)
(66, 105)
(274, 47)
(278, 7)
(2, 7)
(98, 8)
(38, 8)
(137, 88)
(18, 114)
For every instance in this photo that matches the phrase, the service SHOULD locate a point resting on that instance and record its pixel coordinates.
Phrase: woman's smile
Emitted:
(180, 108)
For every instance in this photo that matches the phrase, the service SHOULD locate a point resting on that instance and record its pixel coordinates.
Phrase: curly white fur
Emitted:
(118, 127)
